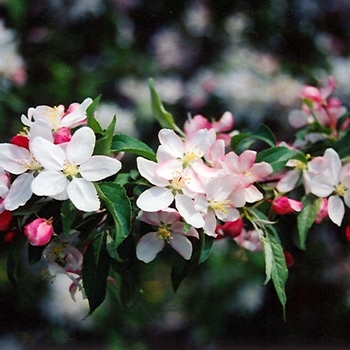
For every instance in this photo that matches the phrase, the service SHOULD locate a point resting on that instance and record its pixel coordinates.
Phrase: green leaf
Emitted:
(104, 143)
(91, 120)
(237, 140)
(164, 118)
(306, 218)
(275, 266)
(119, 206)
(264, 133)
(207, 243)
(68, 215)
(278, 157)
(34, 253)
(126, 143)
(95, 270)
(342, 146)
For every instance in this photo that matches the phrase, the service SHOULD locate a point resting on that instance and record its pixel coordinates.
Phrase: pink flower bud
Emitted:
(62, 135)
(323, 211)
(284, 205)
(39, 231)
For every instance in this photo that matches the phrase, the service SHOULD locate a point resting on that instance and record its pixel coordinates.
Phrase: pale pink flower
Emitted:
(248, 172)
(333, 182)
(249, 239)
(39, 231)
(169, 229)
(221, 127)
(218, 202)
(179, 184)
(57, 117)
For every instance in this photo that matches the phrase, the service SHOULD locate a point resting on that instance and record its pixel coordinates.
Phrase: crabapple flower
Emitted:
(248, 172)
(57, 117)
(218, 202)
(39, 231)
(18, 161)
(69, 171)
(249, 239)
(221, 127)
(169, 229)
(181, 185)
(333, 181)
(284, 205)
(322, 212)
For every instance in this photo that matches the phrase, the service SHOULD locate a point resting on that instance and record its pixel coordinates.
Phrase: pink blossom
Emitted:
(323, 211)
(39, 231)
(221, 127)
(169, 229)
(248, 172)
(249, 239)
(284, 205)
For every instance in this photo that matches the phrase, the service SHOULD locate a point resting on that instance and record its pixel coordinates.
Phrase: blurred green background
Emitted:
(250, 57)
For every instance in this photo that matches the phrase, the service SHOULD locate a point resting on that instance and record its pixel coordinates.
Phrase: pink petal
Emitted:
(149, 246)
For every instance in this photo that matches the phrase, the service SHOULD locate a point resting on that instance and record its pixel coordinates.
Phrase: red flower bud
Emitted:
(21, 141)
(230, 228)
(5, 220)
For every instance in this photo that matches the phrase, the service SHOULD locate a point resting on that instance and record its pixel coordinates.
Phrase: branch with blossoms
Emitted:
(66, 200)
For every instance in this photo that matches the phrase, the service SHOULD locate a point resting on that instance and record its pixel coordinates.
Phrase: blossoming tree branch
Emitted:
(66, 200)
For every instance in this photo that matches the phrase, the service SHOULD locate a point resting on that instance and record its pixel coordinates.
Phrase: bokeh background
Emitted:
(249, 57)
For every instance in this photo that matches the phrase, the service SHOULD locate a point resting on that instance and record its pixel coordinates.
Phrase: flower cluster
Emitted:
(75, 210)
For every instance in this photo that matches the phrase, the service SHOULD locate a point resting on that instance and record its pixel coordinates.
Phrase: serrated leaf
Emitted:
(278, 157)
(126, 143)
(68, 215)
(95, 270)
(306, 218)
(91, 120)
(275, 266)
(164, 118)
(119, 206)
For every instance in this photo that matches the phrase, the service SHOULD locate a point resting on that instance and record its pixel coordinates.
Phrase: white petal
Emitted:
(185, 206)
(171, 142)
(20, 192)
(288, 181)
(13, 158)
(81, 146)
(154, 199)
(182, 245)
(149, 246)
(50, 156)
(49, 183)
(253, 194)
(77, 116)
(83, 195)
(336, 209)
(147, 169)
(99, 167)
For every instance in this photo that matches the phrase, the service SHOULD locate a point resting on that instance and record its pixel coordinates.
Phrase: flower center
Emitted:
(190, 156)
(31, 164)
(221, 207)
(340, 189)
(70, 170)
(164, 233)
(54, 116)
